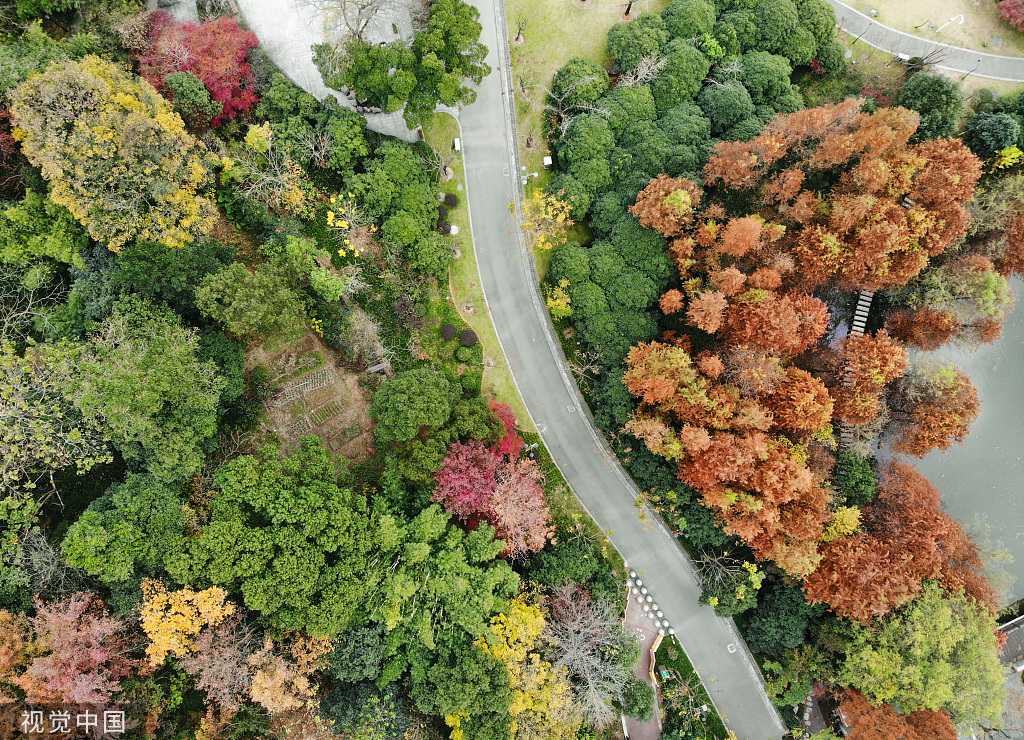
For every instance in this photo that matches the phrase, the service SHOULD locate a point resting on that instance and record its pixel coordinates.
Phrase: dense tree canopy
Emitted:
(444, 55)
(141, 378)
(128, 533)
(938, 653)
(114, 153)
(283, 533)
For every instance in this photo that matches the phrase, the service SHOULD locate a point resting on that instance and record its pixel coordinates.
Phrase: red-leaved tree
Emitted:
(466, 479)
(517, 508)
(11, 159)
(1012, 11)
(510, 444)
(80, 654)
(214, 51)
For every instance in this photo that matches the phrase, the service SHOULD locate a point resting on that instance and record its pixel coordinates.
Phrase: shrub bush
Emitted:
(472, 381)
(468, 338)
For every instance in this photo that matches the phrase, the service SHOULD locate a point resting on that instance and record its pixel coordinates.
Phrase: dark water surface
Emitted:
(982, 481)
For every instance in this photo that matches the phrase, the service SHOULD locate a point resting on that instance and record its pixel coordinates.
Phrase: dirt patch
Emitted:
(301, 724)
(316, 394)
(225, 232)
(519, 40)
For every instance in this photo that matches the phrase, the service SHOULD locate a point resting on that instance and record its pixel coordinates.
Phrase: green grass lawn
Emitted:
(555, 32)
(440, 131)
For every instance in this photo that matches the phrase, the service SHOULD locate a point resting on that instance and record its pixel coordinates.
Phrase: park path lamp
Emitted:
(971, 72)
(961, 17)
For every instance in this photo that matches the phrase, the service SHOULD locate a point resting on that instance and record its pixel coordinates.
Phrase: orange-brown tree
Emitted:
(909, 539)
(883, 722)
(931, 408)
(890, 207)
(872, 362)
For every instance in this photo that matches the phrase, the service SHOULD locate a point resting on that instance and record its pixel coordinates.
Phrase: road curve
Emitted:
(955, 58)
(520, 318)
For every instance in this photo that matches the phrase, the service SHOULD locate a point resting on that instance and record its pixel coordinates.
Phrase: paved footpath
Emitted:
(641, 624)
(286, 30)
(953, 58)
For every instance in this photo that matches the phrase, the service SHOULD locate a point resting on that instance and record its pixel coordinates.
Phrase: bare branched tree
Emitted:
(440, 164)
(719, 572)
(585, 368)
(270, 178)
(645, 71)
(521, 22)
(529, 137)
(316, 146)
(731, 68)
(348, 19)
(23, 308)
(220, 661)
(52, 579)
(558, 104)
(363, 339)
(591, 643)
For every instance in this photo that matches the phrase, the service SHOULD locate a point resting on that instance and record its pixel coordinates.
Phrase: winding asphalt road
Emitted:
(953, 58)
(520, 318)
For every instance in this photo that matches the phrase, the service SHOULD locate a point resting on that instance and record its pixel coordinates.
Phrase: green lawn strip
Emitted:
(555, 33)
(671, 655)
(440, 132)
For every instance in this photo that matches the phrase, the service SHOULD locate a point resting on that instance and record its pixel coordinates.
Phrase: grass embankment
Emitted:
(554, 33)
(440, 131)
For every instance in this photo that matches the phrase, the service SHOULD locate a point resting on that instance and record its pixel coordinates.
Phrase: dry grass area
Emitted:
(973, 84)
(315, 394)
(980, 27)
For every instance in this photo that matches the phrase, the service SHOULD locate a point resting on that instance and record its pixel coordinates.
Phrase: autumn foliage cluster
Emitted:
(745, 396)
(496, 485)
(214, 51)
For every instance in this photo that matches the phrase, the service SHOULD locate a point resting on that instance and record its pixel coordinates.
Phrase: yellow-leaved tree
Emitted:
(115, 153)
(542, 701)
(173, 619)
(281, 678)
(546, 219)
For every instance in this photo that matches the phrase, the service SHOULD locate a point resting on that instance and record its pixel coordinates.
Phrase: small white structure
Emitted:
(455, 229)
(547, 163)
(457, 145)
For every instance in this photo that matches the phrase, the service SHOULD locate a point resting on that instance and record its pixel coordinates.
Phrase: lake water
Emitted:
(982, 481)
